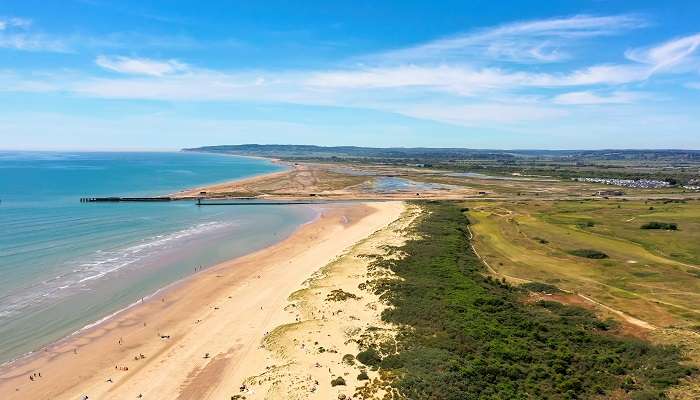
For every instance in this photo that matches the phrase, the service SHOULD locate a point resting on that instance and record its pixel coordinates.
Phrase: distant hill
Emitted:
(437, 153)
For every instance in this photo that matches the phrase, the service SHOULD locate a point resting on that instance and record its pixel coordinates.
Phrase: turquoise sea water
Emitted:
(65, 264)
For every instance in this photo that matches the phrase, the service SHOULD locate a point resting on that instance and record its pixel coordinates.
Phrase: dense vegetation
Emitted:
(540, 287)
(669, 226)
(466, 336)
(589, 253)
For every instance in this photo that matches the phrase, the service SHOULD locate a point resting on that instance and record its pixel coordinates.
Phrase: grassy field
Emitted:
(650, 274)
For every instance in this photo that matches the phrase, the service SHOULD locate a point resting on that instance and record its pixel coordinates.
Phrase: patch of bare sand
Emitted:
(332, 318)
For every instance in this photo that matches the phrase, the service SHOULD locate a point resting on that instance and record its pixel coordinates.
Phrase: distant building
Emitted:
(631, 183)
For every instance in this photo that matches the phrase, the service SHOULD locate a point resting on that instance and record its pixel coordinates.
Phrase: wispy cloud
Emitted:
(592, 98)
(140, 66)
(14, 22)
(537, 41)
(461, 79)
(22, 34)
(472, 115)
(15, 35)
(676, 54)
(466, 80)
(434, 81)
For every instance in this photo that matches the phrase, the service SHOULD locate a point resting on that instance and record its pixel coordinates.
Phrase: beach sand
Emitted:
(201, 338)
(337, 314)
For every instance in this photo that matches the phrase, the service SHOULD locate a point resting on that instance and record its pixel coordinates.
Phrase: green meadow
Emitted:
(651, 274)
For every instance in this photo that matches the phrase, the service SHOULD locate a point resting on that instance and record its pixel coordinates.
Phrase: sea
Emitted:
(65, 264)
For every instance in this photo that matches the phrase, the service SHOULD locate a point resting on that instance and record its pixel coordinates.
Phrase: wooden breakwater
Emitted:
(248, 201)
(123, 199)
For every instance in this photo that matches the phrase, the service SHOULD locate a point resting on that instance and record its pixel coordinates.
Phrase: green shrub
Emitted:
(363, 376)
(340, 295)
(589, 253)
(540, 287)
(392, 362)
(369, 357)
(349, 359)
(669, 226)
(339, 381)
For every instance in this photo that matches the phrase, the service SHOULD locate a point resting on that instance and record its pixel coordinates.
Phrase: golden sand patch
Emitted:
(335, 318)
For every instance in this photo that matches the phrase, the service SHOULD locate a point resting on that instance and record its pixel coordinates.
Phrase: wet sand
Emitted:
(197, 339)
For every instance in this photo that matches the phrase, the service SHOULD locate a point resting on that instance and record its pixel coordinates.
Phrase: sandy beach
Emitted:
(201, 338)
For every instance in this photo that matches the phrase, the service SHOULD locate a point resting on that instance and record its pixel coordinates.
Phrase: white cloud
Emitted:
(674, 54)
(532, 41)
(605, 74)
(14, 35)
(471, 115)
(32, 42)
(140, 66)
(465, 80)
(432, 81)
(14, 22)
(455, 79)
(588, 97)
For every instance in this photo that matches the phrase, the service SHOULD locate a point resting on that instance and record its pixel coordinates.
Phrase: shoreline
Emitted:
(191, 192)
(103, 318)
(161, 290)
(170, 316)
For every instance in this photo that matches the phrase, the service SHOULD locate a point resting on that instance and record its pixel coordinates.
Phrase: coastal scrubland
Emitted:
(465, 334)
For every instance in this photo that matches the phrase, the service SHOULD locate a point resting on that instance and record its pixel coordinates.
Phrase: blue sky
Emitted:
(97, 74)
